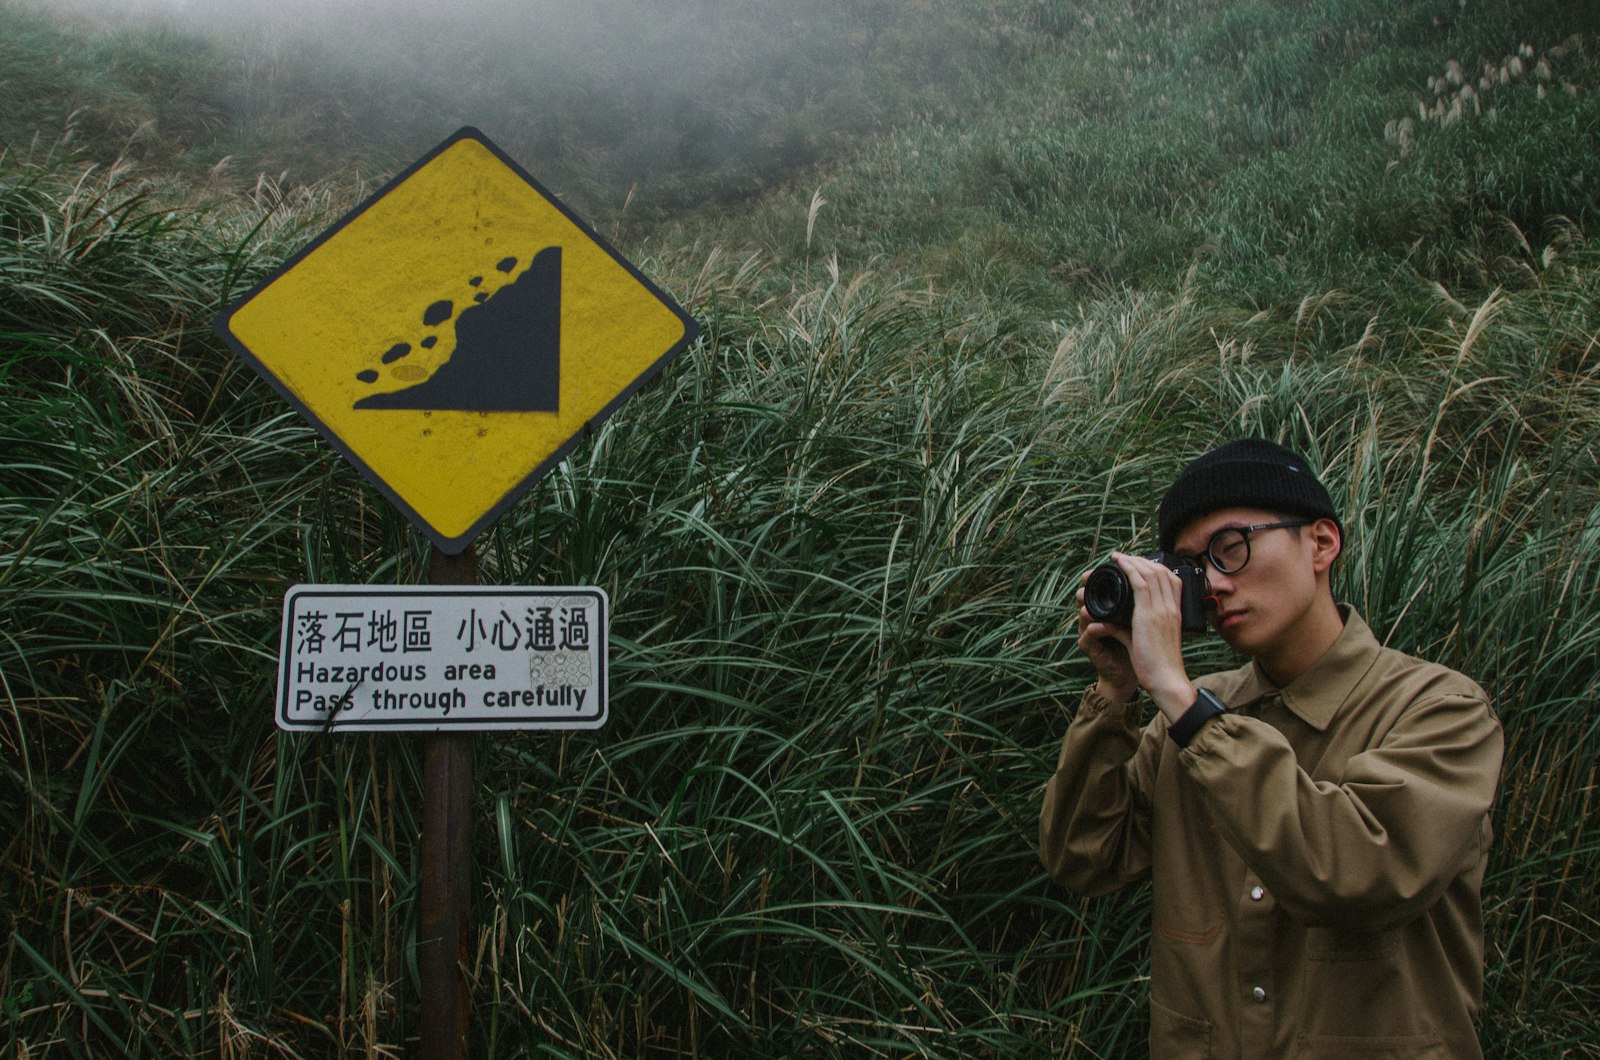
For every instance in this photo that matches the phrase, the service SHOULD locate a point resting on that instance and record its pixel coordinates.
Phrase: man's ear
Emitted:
(1326, 544)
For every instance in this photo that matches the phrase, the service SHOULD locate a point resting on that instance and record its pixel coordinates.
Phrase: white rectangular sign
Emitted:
(381, 657)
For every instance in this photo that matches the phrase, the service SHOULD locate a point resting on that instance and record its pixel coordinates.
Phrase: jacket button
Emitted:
(1258, 994)
(1257, 893)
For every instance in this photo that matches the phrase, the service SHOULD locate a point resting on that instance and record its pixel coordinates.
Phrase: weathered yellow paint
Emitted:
(363, 288)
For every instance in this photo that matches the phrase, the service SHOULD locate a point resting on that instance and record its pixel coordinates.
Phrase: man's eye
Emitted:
(1229, 551)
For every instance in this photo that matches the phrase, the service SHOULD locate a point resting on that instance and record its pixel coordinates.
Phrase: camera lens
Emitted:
(1107, 596)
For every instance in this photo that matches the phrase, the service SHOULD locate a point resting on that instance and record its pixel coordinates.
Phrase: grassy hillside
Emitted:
(618, 105)
(952, 349)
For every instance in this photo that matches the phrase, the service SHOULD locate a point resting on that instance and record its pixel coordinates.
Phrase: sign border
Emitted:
(452, 546)
(316, 589)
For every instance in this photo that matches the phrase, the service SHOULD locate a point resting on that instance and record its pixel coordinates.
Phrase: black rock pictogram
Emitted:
(507, 356)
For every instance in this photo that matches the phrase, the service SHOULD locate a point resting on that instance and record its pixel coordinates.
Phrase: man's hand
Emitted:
(1107, 648)
(1148, 655)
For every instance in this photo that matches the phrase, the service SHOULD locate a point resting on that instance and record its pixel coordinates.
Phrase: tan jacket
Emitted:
(1315, 855)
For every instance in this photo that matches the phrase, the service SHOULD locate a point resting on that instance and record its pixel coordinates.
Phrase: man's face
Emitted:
(1263, 603)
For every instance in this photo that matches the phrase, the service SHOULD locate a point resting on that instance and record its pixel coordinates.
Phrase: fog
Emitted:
(676, 101)
(664, 93)
(447, 41)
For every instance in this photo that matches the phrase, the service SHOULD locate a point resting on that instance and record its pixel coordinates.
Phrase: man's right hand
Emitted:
(1107, 648)
(1150, 654)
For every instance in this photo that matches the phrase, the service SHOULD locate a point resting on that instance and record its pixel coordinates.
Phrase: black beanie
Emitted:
(1249, 473)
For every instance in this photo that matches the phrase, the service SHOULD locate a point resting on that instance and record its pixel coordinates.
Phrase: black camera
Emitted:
(1108, 597)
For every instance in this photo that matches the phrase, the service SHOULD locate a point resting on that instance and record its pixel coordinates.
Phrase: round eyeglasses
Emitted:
(1228, 550)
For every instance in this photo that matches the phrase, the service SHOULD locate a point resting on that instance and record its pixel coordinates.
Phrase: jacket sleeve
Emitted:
(1406, 818)
(1094, 828)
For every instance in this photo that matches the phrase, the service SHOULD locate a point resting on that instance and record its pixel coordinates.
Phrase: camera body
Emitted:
(1108, 597)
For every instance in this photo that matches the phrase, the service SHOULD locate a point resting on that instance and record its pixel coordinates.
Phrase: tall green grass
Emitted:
(841, 537)
(1281, 148)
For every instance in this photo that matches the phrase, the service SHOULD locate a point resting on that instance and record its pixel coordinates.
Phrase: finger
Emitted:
(1149, 576)
(1093, 633)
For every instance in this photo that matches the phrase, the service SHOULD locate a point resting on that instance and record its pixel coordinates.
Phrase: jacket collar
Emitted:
(1316, 695)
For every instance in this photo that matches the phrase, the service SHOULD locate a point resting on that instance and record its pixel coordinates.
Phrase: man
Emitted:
(1315, 824)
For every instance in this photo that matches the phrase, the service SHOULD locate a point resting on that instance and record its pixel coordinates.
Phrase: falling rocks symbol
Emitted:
(508, 349)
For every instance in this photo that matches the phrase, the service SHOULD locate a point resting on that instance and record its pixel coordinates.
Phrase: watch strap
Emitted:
(1205, 707)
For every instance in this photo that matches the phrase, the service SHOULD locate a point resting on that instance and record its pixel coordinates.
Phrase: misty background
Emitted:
(619, 103)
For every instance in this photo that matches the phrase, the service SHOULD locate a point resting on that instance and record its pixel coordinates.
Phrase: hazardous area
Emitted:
(369, 658)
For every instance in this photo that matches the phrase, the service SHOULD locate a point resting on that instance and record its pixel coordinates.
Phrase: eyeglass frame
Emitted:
(1207, 556)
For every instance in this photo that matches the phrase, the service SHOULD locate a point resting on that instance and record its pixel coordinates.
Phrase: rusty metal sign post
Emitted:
(444, 933)
(453, 337)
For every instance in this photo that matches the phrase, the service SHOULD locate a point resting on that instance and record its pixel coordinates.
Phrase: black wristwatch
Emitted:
(1205, 707)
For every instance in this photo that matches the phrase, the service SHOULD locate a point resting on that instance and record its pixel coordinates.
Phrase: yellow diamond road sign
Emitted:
(456, 334)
